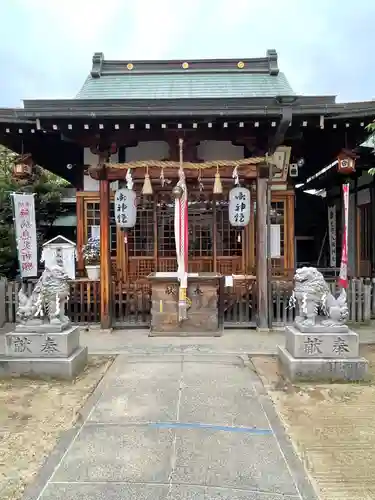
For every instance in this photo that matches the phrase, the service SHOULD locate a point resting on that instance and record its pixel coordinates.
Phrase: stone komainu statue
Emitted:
(48, 299)
(315, 301)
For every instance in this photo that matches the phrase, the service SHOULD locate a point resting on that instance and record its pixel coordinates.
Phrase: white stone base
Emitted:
(321, 345)
(37, 345)
(62, 368)
(323, 369)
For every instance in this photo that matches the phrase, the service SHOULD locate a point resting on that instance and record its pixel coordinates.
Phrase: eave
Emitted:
(260, 107)
(178, 107)
(55, 131)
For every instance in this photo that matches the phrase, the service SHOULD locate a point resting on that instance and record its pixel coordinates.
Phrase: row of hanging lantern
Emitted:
(238, 207)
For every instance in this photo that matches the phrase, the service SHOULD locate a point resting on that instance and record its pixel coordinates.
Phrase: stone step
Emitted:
(322, 369)
(61, 368)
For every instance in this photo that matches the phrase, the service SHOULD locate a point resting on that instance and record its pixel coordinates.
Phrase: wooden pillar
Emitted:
(290, 262)
(80, 232)
(372, 222)
(261, 250)
(357, 236)
(105, 251)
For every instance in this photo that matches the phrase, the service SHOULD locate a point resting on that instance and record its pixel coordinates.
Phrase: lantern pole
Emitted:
(269, 262)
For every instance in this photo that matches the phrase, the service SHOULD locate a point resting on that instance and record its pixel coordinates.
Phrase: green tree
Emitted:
(48, 189)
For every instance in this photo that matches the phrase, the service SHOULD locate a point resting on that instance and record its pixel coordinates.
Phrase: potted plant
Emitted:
(91, 256)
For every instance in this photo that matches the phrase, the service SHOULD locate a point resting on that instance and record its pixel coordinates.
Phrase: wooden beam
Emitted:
(105, 252)
(281, 130)
(261, 256)
(116, 173)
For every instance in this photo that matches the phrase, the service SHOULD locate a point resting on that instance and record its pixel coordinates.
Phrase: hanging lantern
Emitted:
(239, 207)
(346, 162)
(218, 187)
(147, 186)
(125, 207)
(23, 167)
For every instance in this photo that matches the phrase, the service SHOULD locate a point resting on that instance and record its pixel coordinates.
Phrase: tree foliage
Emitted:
(48, 189)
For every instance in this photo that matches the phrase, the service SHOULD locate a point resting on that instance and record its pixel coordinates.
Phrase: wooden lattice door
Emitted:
(214, 246)
(201, 233)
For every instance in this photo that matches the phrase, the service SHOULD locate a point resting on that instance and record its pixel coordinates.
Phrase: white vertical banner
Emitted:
(332, 235)
(25, 226)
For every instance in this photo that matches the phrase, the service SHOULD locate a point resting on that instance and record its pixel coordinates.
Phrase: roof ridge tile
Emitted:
(265, 65)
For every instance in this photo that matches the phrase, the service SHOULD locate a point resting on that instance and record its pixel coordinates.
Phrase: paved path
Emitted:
(182, 428)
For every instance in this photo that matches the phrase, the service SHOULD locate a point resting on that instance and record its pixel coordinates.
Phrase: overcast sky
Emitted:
(324, 46)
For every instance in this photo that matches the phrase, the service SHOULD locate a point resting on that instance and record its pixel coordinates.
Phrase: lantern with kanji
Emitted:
(239, 207)
(125, 208)
(346, 162)
(23, 167)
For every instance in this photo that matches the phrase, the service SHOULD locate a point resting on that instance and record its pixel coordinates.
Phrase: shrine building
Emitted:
(224, 122)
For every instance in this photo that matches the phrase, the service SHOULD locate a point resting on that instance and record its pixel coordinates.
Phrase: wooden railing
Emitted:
(131, 303)
(240, 302)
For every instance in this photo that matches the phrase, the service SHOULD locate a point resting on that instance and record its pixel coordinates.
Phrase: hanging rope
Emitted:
(189, 165)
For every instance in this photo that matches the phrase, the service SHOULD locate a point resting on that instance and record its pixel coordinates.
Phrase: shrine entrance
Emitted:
(214, 245)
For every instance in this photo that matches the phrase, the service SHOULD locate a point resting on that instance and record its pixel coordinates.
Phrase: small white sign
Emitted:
(229, 281)
(62, 252)
(95, 232)
(275, 241)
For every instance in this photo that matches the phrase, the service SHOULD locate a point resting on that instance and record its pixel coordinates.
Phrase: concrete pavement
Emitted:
(181, 427)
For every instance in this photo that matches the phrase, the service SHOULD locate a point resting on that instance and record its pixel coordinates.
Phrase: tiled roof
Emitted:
(172, 80)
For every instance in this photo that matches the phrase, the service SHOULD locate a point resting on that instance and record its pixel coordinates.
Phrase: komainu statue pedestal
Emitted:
(44, 343)
(321, 355)
(43, 350)
(320, 346)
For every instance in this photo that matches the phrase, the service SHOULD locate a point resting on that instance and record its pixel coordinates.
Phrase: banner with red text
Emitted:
(343, 279)
(25, 226)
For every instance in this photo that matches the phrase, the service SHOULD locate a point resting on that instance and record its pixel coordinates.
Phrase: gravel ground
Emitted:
(332, 427)
(32, 416)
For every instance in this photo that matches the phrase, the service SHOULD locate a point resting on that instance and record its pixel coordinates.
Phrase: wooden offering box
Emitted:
(203, 317)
